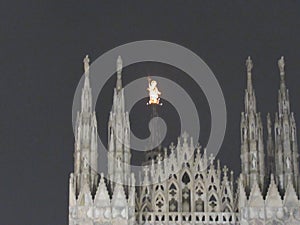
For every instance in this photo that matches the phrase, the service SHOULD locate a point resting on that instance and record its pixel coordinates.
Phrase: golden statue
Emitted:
(154, 93)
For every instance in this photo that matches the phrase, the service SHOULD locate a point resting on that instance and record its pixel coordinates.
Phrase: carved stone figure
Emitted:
(254, 161)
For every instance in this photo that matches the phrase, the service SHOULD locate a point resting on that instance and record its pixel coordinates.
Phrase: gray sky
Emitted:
(41, 51)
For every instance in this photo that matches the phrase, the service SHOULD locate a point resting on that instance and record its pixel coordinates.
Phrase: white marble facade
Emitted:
(183, 185)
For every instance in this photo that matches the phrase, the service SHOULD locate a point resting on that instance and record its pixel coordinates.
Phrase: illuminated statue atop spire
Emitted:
(154, 93)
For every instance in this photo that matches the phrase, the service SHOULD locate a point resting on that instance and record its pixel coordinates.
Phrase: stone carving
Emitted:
(184, 185)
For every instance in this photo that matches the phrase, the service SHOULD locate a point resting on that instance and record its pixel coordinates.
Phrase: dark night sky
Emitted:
(41, 50)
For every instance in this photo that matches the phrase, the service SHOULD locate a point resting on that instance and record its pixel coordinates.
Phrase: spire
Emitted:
(286, 143)
(86, 154)
(119, 134)
(249, 66)
(86, 66)
(155, 129)
(86, 97)
(119, 73)
(252, 148)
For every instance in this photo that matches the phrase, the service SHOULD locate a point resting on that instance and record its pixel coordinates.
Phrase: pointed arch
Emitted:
(159, 202)
(173, 196)
(213, 202)
(186, 186)
(199, 193)
(185, 178)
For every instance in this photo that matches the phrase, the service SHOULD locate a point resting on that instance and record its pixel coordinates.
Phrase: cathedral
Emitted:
(184, 184)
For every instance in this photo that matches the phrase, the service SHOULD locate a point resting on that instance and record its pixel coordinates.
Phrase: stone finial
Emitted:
(281, 65)
(225, 170)
(249, 64)
(211, 159)
(231, 176)
(172, 147)
(219, 166)
(165, 153)
(159, 158)
(86, 63)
